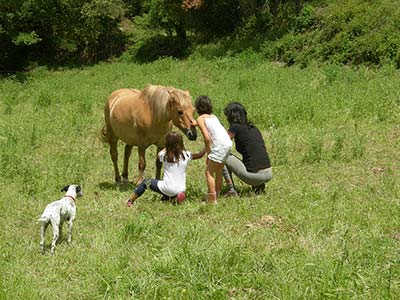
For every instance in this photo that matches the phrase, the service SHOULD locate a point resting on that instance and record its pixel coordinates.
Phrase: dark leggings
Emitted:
(152, 183)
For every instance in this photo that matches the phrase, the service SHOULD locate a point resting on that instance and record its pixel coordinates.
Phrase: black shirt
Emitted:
(249, 142)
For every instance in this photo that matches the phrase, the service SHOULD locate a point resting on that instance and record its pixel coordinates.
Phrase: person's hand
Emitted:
(129, 203)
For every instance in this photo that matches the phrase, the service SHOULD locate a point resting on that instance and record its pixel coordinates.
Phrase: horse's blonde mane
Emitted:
(157, 97)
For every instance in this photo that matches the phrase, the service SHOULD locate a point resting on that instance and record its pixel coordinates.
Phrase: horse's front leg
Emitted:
(141, 164)
(127, 155)
(158, 163)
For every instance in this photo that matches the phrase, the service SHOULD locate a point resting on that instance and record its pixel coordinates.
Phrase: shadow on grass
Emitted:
(62, 240)
(108, 186)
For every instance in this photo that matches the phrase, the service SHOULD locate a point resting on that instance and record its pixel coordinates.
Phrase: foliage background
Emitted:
(68, 32)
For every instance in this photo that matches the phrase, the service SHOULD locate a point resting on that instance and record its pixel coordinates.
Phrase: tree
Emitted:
(58, 31)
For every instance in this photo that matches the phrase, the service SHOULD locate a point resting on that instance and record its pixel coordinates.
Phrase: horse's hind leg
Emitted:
(110, 137)
(114, 158)
(128, 150)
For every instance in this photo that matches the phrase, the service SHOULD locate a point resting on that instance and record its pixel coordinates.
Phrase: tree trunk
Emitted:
(274, 7)
(299, 6)
(181, 33)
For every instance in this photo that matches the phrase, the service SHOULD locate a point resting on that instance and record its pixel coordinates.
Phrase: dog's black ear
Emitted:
(65, 188)
(78, 189)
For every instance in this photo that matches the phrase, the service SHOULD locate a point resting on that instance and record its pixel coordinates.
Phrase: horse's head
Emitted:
(181, 109)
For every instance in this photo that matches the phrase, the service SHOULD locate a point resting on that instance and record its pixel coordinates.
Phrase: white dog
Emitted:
(57, 213)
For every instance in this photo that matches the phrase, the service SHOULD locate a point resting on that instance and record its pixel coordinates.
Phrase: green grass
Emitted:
(327, 227)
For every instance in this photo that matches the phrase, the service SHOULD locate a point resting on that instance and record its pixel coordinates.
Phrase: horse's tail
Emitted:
(103, 134)
(105, 131)
(107, 134)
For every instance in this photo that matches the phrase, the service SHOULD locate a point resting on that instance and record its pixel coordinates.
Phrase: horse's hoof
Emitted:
(125, 180)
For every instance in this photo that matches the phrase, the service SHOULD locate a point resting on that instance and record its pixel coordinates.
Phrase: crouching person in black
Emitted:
(254, 168)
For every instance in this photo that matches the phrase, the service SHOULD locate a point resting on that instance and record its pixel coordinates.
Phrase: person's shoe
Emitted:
(231, 193)
(180, 197)
(165, 198)
(259, 189)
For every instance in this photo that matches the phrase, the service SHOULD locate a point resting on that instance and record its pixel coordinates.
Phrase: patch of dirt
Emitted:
(377, 170)
(265, 221)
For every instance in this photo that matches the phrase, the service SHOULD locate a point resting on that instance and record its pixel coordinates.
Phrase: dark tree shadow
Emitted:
(160, 46)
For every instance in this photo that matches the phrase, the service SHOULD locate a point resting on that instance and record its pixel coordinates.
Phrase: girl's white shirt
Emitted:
(174, 179)
(218, 134)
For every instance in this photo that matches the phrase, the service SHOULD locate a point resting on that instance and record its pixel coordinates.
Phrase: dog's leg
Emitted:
(55, 225)
(70, 225)
(43, 228)
(60, 230)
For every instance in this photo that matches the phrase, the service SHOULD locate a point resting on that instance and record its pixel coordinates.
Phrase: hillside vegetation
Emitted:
(351, 32)
(327, 227)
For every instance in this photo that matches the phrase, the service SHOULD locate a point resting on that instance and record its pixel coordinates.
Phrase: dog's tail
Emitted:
(43, 220)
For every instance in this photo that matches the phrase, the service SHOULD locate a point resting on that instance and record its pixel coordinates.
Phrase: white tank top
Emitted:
(217, 132)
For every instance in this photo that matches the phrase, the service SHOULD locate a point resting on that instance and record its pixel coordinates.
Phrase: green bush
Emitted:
(345, 32)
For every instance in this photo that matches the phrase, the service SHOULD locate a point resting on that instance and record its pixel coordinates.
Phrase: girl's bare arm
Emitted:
(200, 154)
(204, 132)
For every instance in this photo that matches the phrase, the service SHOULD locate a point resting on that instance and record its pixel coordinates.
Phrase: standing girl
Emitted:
(175, 159)
(218, 146)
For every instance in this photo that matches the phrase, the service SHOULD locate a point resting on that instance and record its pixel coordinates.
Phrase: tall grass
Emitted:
(327, 227)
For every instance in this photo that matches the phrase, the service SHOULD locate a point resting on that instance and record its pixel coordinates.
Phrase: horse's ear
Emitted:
(170, 90)
(187, 92)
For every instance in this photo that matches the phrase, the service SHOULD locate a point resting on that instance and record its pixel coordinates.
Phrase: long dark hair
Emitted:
(236, 114)
(174, 147)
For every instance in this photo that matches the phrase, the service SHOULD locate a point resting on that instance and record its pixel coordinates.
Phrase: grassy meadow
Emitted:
(327, 226)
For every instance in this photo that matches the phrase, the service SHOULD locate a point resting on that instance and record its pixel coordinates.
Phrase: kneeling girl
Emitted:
(175, 159)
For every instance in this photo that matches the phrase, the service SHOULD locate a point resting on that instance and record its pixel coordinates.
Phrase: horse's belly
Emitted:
(136, 136)
(128, 134)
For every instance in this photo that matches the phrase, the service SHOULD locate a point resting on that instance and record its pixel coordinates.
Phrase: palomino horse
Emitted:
(143, 118)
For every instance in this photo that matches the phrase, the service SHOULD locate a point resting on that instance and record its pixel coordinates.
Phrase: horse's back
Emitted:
(121, 93)
(121, 100)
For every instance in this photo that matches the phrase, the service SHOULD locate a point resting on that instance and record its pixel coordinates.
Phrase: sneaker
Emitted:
(259, 189)
(165, 198)
(180, 197)
(231, 193)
